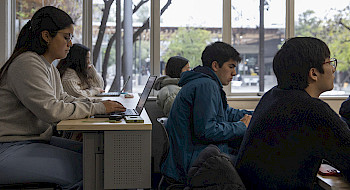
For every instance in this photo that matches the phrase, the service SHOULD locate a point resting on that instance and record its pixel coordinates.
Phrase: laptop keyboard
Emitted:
(130, 112)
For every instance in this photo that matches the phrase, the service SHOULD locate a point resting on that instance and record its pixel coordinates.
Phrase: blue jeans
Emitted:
(58, 161)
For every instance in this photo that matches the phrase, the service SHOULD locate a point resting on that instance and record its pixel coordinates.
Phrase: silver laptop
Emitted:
(141, 103)
(114, 93)
(143, 98)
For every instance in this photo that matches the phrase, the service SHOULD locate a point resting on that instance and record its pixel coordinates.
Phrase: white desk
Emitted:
(115, 155)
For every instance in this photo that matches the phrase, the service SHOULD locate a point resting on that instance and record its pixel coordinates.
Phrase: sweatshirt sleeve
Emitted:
(165, 100)
(72, 85)
(236, 114)
(334, 137)
(96, 79)
(36, 86)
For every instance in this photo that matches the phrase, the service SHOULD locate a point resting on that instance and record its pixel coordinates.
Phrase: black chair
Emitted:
(158, 139)
(172, 184)
(166, 145)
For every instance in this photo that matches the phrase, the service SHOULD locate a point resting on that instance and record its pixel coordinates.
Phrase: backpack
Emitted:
(213, 170)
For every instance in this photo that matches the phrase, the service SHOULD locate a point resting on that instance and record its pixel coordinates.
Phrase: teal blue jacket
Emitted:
(196, 119)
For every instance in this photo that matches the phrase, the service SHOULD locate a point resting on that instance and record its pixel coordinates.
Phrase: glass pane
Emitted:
(245, 38)
(329, 21)
(26, 9)
(187, 26)
(138, 44)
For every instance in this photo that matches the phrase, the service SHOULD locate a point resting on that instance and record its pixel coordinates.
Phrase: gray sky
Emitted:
(246, 14)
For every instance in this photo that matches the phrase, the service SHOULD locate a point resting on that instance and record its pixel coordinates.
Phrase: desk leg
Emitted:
(127, 159)
(93, 161)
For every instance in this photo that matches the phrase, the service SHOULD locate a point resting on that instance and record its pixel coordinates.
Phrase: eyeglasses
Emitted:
(333, 62)
(67, 36)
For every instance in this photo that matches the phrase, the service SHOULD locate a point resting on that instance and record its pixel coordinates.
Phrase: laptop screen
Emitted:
(145, 93)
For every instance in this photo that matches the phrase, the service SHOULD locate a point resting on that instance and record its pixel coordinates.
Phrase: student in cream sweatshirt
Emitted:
(79, 77)
(33, 101)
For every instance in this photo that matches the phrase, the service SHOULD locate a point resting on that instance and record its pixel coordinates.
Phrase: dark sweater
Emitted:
(289, 135)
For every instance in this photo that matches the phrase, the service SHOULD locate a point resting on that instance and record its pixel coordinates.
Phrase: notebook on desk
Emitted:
(114, 93)
(140, 104)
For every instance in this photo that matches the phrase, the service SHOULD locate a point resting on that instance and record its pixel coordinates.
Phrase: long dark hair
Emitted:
(76, 60)
(47, 18)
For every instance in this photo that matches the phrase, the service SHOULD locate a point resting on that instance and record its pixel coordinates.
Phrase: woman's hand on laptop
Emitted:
(112, 106)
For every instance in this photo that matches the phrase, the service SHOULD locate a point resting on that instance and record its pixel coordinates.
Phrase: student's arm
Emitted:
(72, 85)
(97, 80)
(165, 100)
(31, 81)
(236, 114)
(73, 88)
(210, 122)
(168, 103)
(334, 135)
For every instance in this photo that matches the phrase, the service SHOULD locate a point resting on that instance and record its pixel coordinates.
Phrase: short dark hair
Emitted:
(76, 60)
(294, 60)
(220, 52)
(174, 66)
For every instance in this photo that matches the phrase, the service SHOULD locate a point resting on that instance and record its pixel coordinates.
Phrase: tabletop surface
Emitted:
(93, 124)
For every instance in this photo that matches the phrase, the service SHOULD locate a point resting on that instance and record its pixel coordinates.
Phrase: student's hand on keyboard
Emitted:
(113, 106)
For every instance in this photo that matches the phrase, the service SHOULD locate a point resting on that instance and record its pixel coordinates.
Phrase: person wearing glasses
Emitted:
(292, 130)
(168, 85)
(79, 77)
(33, 101)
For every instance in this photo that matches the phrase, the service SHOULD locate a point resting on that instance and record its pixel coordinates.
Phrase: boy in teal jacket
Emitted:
(200, 114)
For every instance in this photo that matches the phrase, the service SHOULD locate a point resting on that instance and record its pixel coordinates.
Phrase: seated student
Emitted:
(79, 77)
(292, 130)
(200, 114)
(168, 85)
(33, 101)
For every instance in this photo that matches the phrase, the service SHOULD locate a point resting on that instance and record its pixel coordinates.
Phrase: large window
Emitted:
(329, 21)
(186, 27)
(122, 36)
(26, 9)
(246, 39)
(121, 43)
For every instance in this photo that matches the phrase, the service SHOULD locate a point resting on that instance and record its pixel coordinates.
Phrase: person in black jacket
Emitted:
(292, 130)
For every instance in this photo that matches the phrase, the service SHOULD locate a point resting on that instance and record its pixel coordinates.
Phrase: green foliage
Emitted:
(308, 25)
(188, 43)
(335, 31)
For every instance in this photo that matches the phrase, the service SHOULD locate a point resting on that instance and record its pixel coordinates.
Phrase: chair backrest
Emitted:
(163, 121)
(158, 138)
